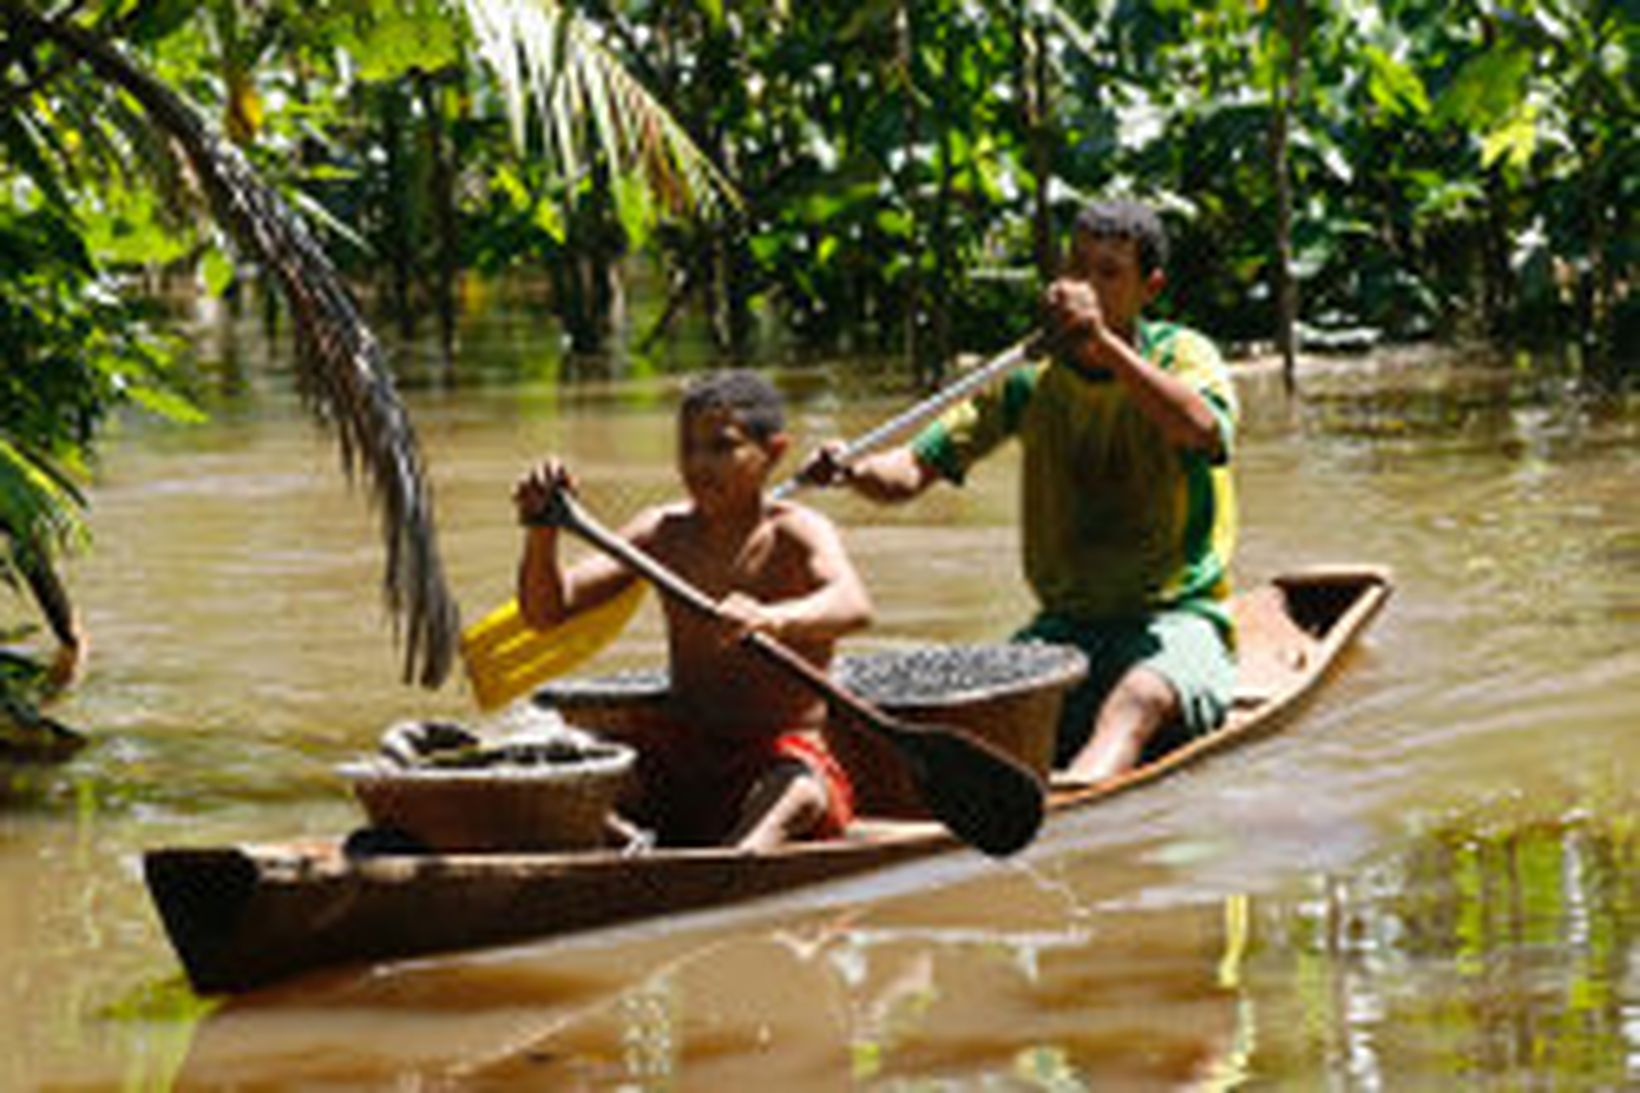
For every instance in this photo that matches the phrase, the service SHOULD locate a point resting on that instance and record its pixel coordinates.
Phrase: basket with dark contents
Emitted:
(1008, 695)
(448, 789)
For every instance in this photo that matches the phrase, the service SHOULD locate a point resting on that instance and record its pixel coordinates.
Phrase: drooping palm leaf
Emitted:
(551, 65)
(39, 513)
(340, 367)
(39, 509)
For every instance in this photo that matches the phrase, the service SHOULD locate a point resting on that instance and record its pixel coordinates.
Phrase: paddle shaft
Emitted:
(950, 395)
(568, 514)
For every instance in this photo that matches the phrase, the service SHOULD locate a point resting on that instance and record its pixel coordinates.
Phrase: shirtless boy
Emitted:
(745, 764)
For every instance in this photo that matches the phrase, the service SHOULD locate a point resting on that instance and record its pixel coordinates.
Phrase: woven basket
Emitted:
(1008, 695)
(558, 806)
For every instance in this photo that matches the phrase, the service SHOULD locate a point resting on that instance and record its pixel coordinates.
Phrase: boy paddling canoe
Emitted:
(1128, 509)
(746, 764)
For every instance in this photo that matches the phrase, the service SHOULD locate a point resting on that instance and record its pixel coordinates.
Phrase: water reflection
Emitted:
(1500, 941)
(820, 1003)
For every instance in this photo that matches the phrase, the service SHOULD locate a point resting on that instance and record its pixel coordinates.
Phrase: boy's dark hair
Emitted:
(1123, 219)
(751, 398)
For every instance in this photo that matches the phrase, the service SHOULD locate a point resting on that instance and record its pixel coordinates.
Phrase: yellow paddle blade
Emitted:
(505, 657)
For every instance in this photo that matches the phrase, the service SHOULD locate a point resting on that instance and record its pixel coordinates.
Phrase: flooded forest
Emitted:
(291, 294)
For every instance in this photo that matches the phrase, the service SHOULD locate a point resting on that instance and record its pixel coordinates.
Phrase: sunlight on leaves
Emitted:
(1514, 141)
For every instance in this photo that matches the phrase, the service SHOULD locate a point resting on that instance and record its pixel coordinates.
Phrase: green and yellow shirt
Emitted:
(1118, 523)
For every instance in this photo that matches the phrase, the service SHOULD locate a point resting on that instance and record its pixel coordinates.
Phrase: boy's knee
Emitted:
(787, 803)
(1145, 698)
(805, 799)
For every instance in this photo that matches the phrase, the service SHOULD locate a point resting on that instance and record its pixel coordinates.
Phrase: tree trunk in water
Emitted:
(443, 197)
(1597, 283)
(1032, 77)
(396, 242)
(1496, 278)
(1291, 18)
(906, 51)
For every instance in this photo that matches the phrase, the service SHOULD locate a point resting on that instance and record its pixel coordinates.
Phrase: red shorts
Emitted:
(695, 786)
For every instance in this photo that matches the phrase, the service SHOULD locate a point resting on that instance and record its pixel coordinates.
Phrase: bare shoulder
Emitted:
(804, 528)
(790, 517)
(655, 523)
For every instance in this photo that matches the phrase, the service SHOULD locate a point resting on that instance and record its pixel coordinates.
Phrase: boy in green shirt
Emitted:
(1128, 509)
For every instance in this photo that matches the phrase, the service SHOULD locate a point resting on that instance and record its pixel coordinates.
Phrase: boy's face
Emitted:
(724, 467)
(1112, 266)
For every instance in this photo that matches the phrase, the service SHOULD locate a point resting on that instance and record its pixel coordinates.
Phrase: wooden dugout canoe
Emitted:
(243, 916)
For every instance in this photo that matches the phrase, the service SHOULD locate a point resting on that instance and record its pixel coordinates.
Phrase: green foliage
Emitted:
(387, 39)
(1457, 167)
(70, 352)
(70, 347)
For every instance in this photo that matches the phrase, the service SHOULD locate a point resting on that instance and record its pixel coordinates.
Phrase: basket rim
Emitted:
(1069, 667)
(377, 769)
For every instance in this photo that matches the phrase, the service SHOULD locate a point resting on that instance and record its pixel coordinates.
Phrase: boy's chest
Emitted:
(1091, 432)
(757, 565)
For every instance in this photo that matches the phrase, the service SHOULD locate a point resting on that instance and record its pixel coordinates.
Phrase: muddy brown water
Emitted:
(1431, 879)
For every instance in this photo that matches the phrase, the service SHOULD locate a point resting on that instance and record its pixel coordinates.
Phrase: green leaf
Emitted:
(550, 219)
(34, 504)
(160, 19)
(512, 188)
(1488, 88)
(634, 209)
(766, 249)
(1514, 141)
(1394, 86)
(128, 228)
(896, 223)
(18, 137)
(400, 37)
(217, 270)
(321, 216)
(166, 404)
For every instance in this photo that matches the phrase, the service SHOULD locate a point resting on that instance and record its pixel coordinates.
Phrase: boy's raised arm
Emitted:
(895, 474)
(1177, 408)
(547, 593)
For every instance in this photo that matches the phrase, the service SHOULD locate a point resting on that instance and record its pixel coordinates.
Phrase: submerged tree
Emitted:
(70, 350)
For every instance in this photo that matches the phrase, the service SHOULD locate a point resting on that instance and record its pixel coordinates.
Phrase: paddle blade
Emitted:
(987, 799)
(505, 658)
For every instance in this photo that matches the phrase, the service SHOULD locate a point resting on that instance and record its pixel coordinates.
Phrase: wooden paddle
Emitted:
(986, 798)
(505, 658)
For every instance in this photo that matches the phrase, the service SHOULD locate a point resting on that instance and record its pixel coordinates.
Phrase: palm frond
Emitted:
(340, 366)
(39, 508)
(552, 68)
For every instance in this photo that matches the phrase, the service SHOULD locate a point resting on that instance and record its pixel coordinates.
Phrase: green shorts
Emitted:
(1183, 647)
